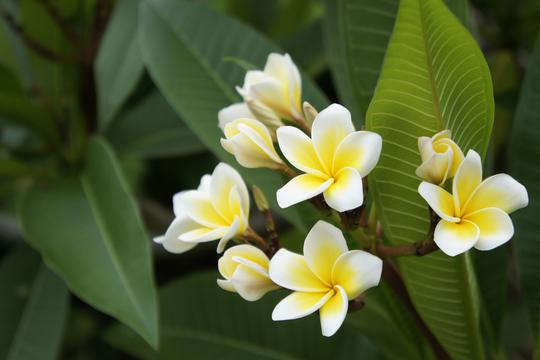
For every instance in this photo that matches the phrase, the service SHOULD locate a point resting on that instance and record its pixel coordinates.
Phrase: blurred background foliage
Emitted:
(69, 68)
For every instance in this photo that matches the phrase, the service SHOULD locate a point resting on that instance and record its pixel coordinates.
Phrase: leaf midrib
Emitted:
(228, 341)
(195, 53)
(102, 228)
(429, 61)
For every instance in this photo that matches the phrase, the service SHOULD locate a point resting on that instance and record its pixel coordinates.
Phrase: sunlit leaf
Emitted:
(434, 77)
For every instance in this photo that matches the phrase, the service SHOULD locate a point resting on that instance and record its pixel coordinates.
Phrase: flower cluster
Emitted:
(326, 161)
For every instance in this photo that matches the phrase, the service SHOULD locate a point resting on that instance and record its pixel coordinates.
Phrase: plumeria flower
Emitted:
(324, 279)
(218, 209)
(476, 213)
(441, 157)
(251, 144)
(334, 160)
(274, 93)
(245, 269)
(233, 112)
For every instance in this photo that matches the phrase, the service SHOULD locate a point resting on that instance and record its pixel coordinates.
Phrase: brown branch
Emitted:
(419, 248)
(393, 279)
(356, 304)
(273, 236)
(31, 42)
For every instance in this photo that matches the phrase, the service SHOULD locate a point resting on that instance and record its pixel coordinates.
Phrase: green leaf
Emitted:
(33, 305)
(434, 77)
(201, 321)
(524, 166)
(184, 46)
(152, 129)
(118, 65)
(89, 231)
(356, 33)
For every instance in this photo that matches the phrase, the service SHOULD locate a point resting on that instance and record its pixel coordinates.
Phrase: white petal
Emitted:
(356, 271)
(253, 77)
(170, 240)
(436, 168)
(270, 93)
(278, 67)
(291, 271)
(259, 135)
(224, 178)
(333, 312)
(439, 200)
(263, 113)
(295, 87)
(467, 179)
(203, 234)
(229, 234)
(329, 129)
(456, 238)
(298, 148)
(495, 226)
(250, 284)
(198, 207)
(204, 188)
(300, 304)
(360, 150)
(300, 188)
(233, 112)
(323, 245)
(230, 259)
(204, 185)
(226, 285)
(346, 193)
(501, 191)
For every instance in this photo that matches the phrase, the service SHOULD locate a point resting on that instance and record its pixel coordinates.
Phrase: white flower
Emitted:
(275, 93)
(245, 269)
(218, 209)
(334, 160)
(324, 279)
(441, 157)
(251, 144)
(476, 213)
(233, 112)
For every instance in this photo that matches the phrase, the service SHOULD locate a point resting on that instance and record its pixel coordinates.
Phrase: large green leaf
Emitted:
(151, 129)
(201, 321)
(356, 34)
(184, 46)
(434, 77)
(33, 305)
(88, 230)
(524, 153)
(118, 65)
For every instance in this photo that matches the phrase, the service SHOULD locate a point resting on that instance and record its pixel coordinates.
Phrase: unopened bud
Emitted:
(309, 112)
(260, 199)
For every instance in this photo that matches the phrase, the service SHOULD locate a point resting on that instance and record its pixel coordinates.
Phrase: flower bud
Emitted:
(245, 269)
(260, 200)
(309, 112)
(251, 144)
(275, 93)
(441, 157)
